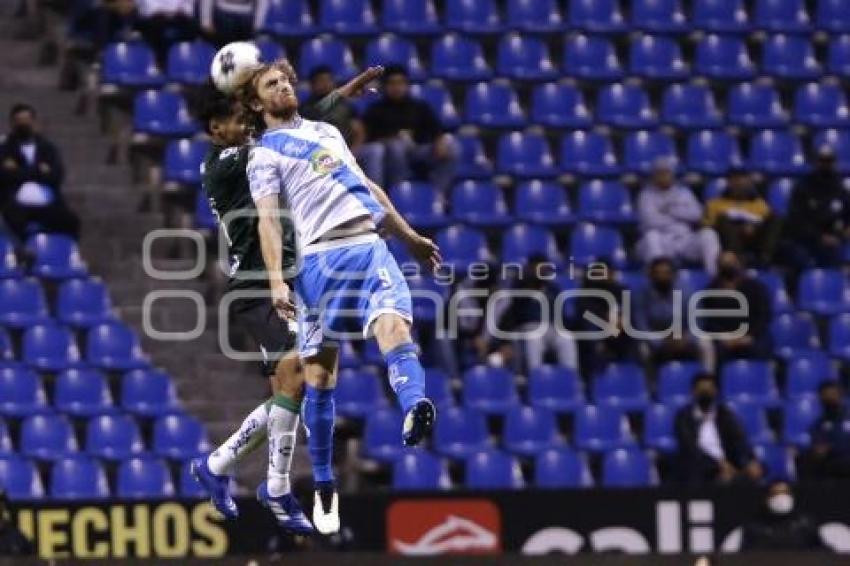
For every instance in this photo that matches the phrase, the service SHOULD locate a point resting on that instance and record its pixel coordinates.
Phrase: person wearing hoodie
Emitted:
(779, 525)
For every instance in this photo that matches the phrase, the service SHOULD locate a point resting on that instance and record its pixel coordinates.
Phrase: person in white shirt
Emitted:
(165, 22)
(232, 20)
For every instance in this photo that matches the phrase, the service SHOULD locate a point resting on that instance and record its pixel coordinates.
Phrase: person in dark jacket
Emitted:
(712, 444)
(12, 542)
(829, 454)
(779, 526)
(343, 113)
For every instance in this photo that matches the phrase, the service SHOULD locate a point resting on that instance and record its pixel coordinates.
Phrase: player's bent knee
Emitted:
(320, 370)
(288, 378)
(391, 331)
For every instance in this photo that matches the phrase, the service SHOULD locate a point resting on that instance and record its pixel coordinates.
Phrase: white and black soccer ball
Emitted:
(233, 63)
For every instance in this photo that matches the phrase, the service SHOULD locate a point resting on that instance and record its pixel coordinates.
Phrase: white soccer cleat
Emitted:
(326, 512)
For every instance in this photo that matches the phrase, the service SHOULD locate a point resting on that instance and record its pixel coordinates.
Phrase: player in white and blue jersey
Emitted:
(346, 275)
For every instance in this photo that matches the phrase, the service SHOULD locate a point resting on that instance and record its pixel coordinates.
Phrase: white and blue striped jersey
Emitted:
(318, 179)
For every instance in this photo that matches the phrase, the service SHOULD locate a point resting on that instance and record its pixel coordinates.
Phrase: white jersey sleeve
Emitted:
(264, 176)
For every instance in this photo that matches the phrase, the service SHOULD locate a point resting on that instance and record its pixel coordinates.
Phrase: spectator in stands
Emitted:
(670, 216)
(232, 20)
(12, 542)
(31, 175)
(165, 22)
(404, 138)
(755, 343)
(657, 307)
(743, 219)
(779, 526)
(343, 115)
(829, 455)
(818, 220)
(712, 444)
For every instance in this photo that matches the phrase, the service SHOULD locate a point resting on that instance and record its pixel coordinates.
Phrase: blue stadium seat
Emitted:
(270, 50)
(776, 152)
(778, 294)
(839, 336)
(621, 386)
(534, 16)
(838, 58)
(599, 429)
(50, 347)
(522, 241)
(113, 346)
(410, 18)
(778, 461)
(720, 16)
(805, 374)
(391, 49)
(657, 57)
(473, 16)
(824, 292)
(459, 432)
(658, 428)
(662, 16)
(559, 105)
(799, 415)
(21, 392)
(289, 18)
(493, 105)
(179, 437)
(130, 64)
(5, 440)
(204, 219)
(22, 303)
(438, 387)
(642, 149)
(382, 435)
(675, 380)
(590, 242)
(755, 105)
(597, 16)
(749, 382)
(839, 141)
(438, 98)
(7, 351)
(489, 390)
(493, 469)
(78, 477)
(794, 335)
(480, 203)
(327, 50)
(832, 16)
(458, 58)
(429, 297)
(347, 17)
(183, 160)
(420, 470)
(420, 204)
(542, 202)
(779, 195)
(144, 478)
(690, 106)
(19, 478)
(558, 389)
(83, 303)
(47, 437)
(624, 106)
(163, 113)
(605, 202)
(525, 155)
(189, 62)
(782, 16)
(358, 393)
(57, 256)
(148, 393)
(713, 152)
(591, 57)
(189, 486)
(113, 437)
(461, 246)
(529, 431)
(473, 163)
(588, 153)
(628, 468)
(790, 57)
(561, 468)
(525, 58)
(82, 393)
(821, 105)
(723, 57)
(9, 267)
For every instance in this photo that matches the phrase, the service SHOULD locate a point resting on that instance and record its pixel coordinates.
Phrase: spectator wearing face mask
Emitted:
(712, 444)
(779, 526)
(829, 455)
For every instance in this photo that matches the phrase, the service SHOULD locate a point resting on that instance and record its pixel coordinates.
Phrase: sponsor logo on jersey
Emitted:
(228, 152)
(459, 526)
(324, 162)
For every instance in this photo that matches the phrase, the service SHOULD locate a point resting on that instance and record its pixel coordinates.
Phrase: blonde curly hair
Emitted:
(246, 93)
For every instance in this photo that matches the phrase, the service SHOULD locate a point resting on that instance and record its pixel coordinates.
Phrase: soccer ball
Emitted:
(232, 64)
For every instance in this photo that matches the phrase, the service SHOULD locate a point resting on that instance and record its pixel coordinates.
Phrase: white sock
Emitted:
(282, 430)
(251, 433)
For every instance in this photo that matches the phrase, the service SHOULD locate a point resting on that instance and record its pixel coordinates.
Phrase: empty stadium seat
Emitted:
(270, 50)
(755, 105)
(621, 386)
(438, 98)
(21, 392)
(779, 195)
(720, 16)
(624, 106)
(675, 380)
(780, 300)
(776, 152)
(189, 62)
(419, 203)
(542, 202)
(824, 292)
(113, 346)
(555, 388)
(327, 51)
(790, 57)
(148, 393)
(130, 64)
(662, 16)
(162, 113)
(821, 105)
(82, 393)
(658, 428)
(438, 387)
(521, 241)
(5, 440)
(183, 160)
(559, 105)
(489, 390)
(179, 437)
(525, 58)
(391, 49)
(690, 106)
(657, 57)
(839, 336)
(47, 437)
(347, 17)
(78, 477)
(793, 335)
(536, 16)
(420, 470)
(778, 462)
(782, 16)
(806, 373)
(461, 246)
(525, 155)
(113, 437)
(642, 149)
(597, 16)
(560, 468)
(289, 18)
(723, 57)
(839, 142)
(600, 429)
(493, 469)
(591, 57)
(588, 153)
(473, 16)
(83, 303)
(410, 18)
(494, 105)
(189, 486)
(9, 267)
(459, 432)
(838, 57)
(480, 203)
(713, 152)
(50, 347)
(19, 478)
(457, 58)
(799, 415)
(473, 163)
(22, 303)
(358, 393)
(144, 478)
(7, 351)
(832, 16)
(628, 468)
(56, 256)
(605, 202)
(590, 243)
(529, 430)
(382, 435)
(754, 421)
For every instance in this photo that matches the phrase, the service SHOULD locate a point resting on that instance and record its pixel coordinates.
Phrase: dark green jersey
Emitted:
(225, 182)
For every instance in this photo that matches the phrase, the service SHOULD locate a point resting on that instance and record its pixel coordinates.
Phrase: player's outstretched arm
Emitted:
(352, 89)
